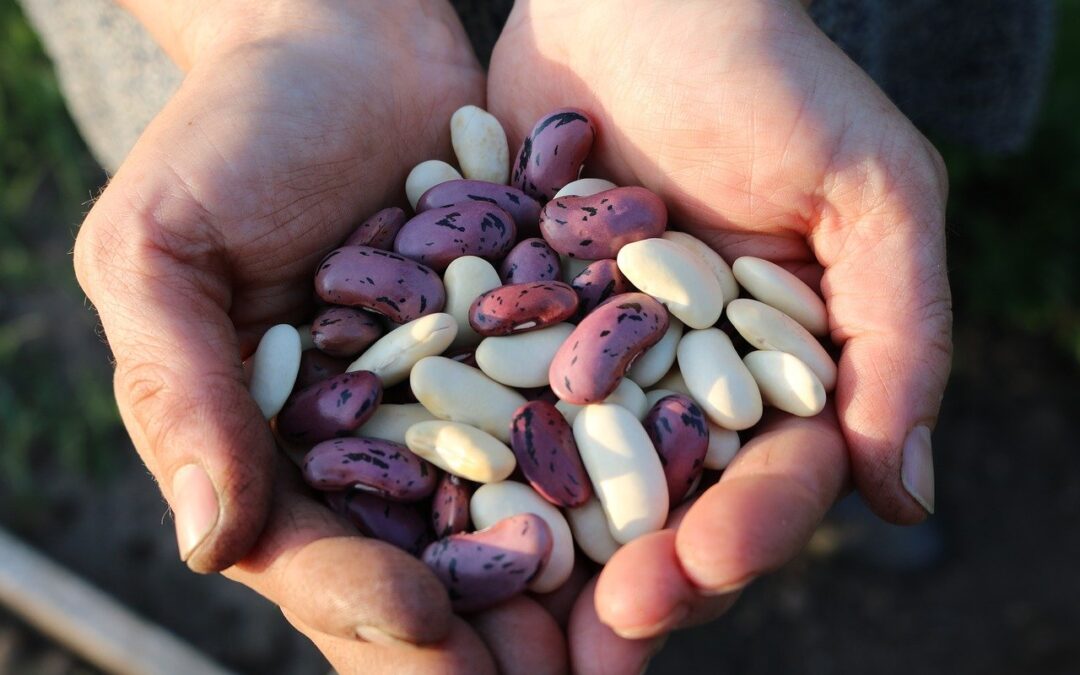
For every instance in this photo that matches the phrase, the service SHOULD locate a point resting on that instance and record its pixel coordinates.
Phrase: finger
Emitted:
(560, 602)
(596, 650)
(178, 379)
(767, 504)
(887, 291)
(461, 653)
(522, 637)
(345, 586)
(643, 592)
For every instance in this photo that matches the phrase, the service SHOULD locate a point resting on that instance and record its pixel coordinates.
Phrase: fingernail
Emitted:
(727, 589)
(195, 507)
(379, 637)
(664, 625)
(917, 469)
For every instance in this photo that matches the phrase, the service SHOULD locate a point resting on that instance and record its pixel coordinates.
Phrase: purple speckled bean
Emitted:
(344, 332)
(379, 230)
(589, 365)
(597, 226)
(379, 281)
(450, 505)
(522, 208)
(553, 153)
(401, 525)
(680, 435)
(598, 282)
(482, 569)
(316, 367)
(385, 468)
(437, 236)
(331, 408)
(531, 260)
(544, 445)
(519, 308)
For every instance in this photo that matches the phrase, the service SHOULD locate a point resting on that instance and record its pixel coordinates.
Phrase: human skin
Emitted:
(298, 119)
(764, 140)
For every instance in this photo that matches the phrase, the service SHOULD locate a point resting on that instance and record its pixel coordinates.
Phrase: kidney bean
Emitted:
(522, 307)
(553, 153)
(438, 236)
(597, 226)
(316, 366)
(522, 208)
(450, 505)
(379, 230)
(547, 454)
(400, 525)
(334, 407)
(344, 332)
(589, 365)
(484, 568)
(598, 282)
(531, 260)
(379, 281)
(384, 468)
(679, 431)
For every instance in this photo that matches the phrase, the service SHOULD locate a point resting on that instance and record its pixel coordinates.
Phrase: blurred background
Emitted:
(989, 586)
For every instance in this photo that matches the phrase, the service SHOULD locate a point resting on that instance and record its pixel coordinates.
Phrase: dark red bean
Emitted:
(596, 283)
(597, 226)
(522, 208)
(379, 281)
(331, 408)
(437, 236)
(519, 308)
(544, 445)
(316, 367)
(450, 505)
(384, 468)
(553, 153)
(530, 260)
(401, 525)
(379, 230)
(589, 365)
(680, 435)
(482, 569)
(344, 332)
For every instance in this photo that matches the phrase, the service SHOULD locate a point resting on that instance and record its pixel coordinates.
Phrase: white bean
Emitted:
(718, 380)
(522, 359)
(391, 421)
(427, 175)
(627, 394)
(776, 287)
(589, 525)
(454, 391)
(394, 354)
(786, 382)
(584, 187)
(480, 145)
(676, 277)
(274, 367)
(650, 367)
(770, 329)
(716, 263)
(462, 450)
(466, 279)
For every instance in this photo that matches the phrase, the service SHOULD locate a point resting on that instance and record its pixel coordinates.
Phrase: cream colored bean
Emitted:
(627, 394)
(480, 145)
(723, 446)
(394, 354)
(676, 277)
(718, 380)
(522, 359)
(624, 469)
(674, 380)
(391, 421)
(589, 525)
(716, 263)
(776, 287)
(585, 187)
(650, 367)
(462, 450)
(786, 382)
(454, 391)
(274, 367)
(427, 175)
(466, 279)
(571, 267)
(770, 329)
(495, 501)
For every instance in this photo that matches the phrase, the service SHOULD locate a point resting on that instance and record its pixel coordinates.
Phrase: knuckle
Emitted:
(146, 391)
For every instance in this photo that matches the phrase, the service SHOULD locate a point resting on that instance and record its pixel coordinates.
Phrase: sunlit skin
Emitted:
(295, 123)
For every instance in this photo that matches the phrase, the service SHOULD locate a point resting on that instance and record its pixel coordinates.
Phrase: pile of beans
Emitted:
(521, 373)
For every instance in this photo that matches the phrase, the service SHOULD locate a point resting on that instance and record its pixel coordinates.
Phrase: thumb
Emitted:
(161, 295)
(887, 290)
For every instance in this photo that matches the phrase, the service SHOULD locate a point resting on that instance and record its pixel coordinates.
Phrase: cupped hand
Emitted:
(764, 140)
(295, 120)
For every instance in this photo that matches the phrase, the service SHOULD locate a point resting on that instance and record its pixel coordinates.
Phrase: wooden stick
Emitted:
(89, 622)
